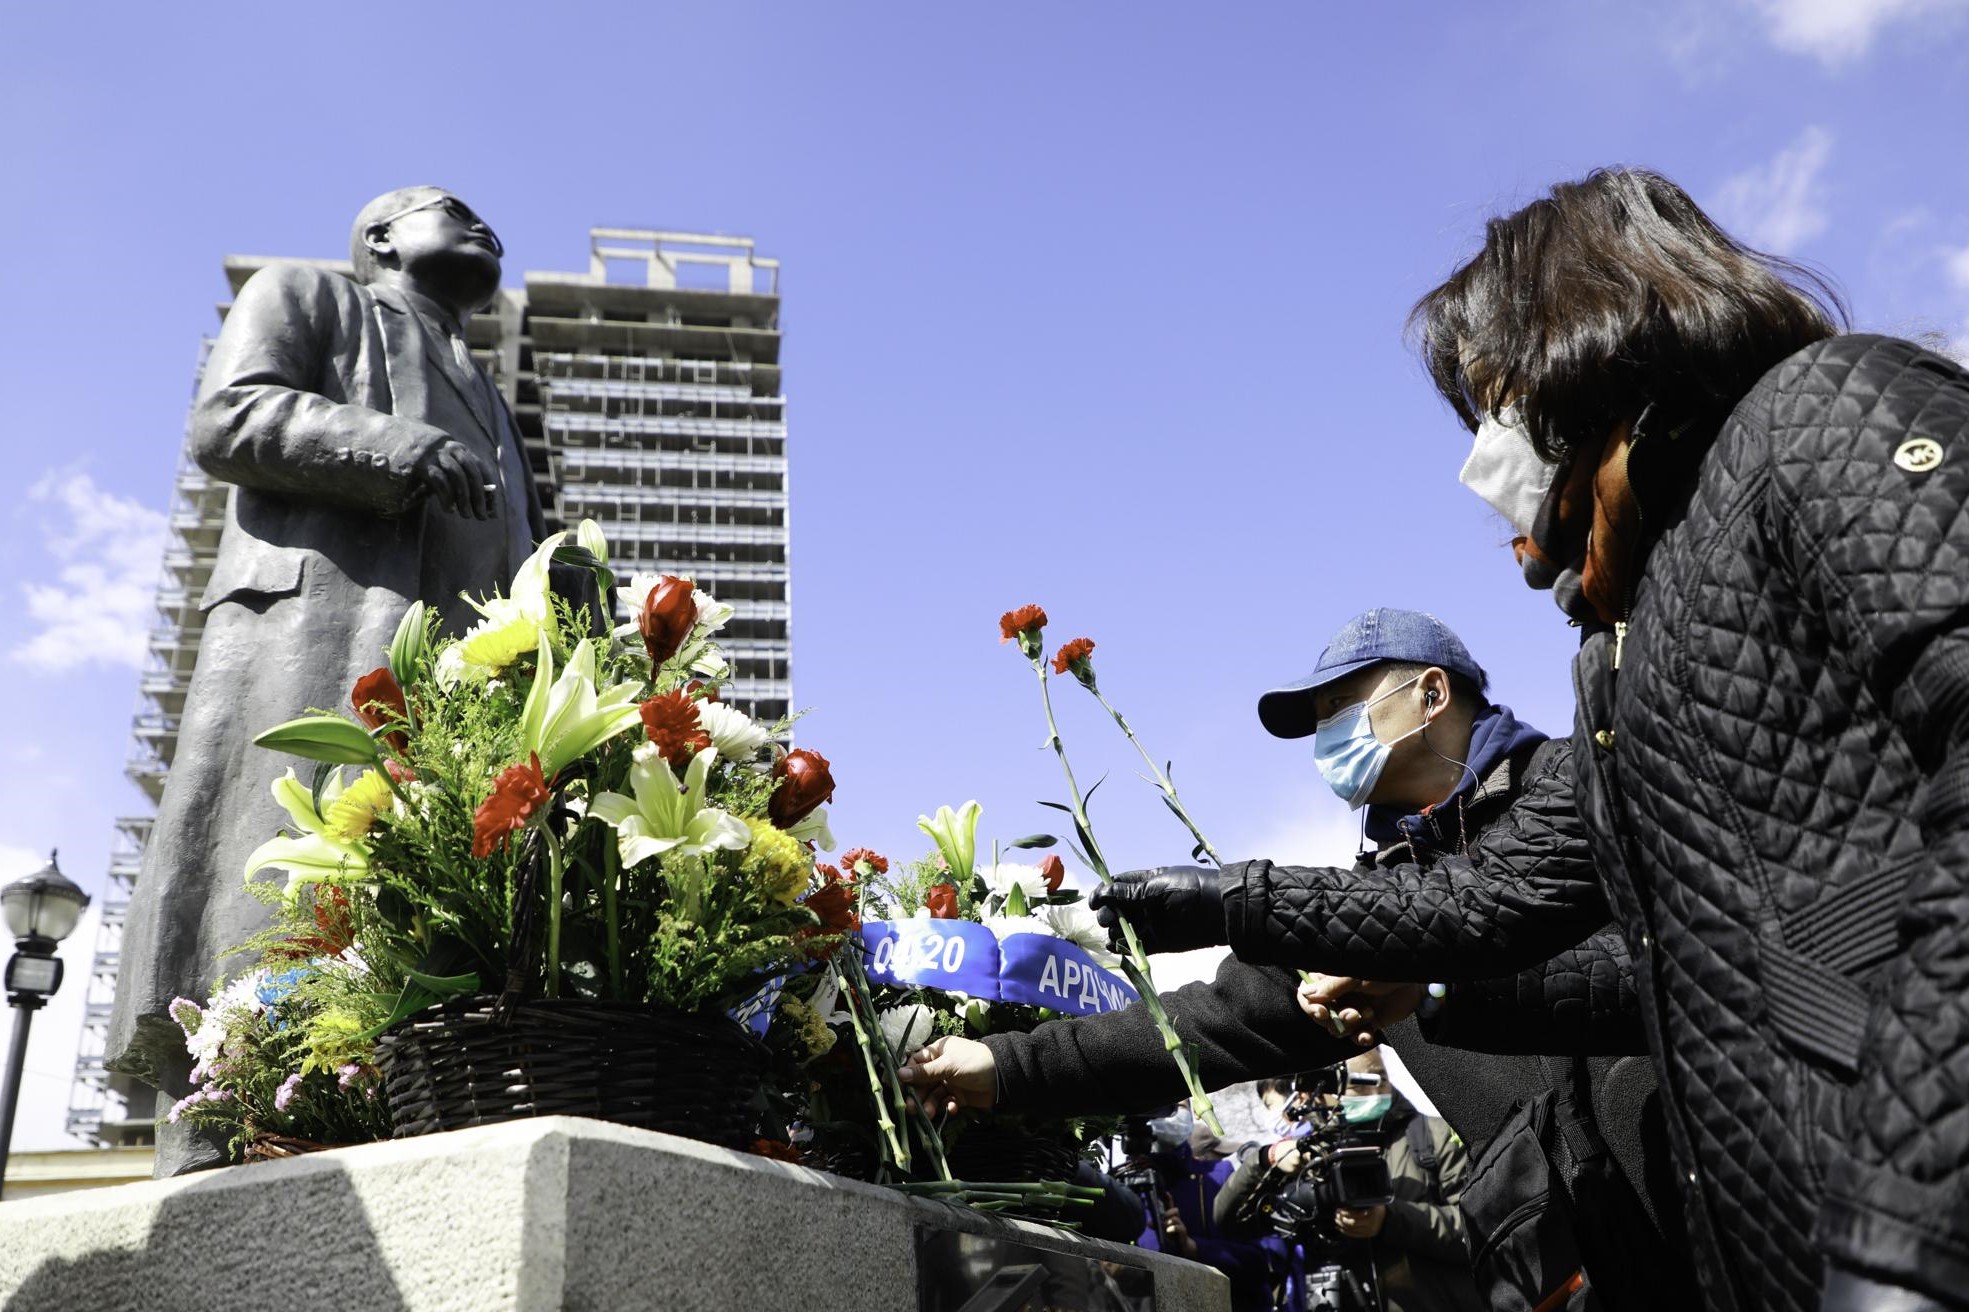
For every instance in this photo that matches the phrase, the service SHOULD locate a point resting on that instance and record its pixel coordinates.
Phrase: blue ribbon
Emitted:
(962, 956)
(756, 1012)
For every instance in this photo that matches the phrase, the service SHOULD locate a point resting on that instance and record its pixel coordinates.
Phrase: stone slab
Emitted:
(551, 1215)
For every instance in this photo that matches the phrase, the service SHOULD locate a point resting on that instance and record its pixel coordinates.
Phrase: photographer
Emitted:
(1177, 1194)
(1413, 1244)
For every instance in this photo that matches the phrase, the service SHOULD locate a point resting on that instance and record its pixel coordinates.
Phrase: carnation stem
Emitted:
(1136, 964)
(553, 910)
(611, 872)
(1161, 779)
(893, 1149)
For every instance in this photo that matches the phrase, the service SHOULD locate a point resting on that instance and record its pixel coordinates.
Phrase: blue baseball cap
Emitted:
(1370, 638)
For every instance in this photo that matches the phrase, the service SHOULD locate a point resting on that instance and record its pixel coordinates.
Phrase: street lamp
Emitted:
(41, 910)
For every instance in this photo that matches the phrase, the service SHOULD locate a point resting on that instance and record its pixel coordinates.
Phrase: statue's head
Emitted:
(434, 240)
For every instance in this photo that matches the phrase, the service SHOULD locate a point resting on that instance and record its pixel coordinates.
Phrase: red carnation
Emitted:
(517, 793)
(669, 614)
(834, 903)
(804, 783)
(671, 719)
(941, 899)
(1014, 623)
(1073, 656)
(1053, 870)
(379, 701)
(857, 857)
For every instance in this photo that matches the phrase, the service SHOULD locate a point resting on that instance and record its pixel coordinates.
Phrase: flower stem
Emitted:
(1136, 964)
(553, 911)
(611, 872)
(1160, 779)
(893, 1149)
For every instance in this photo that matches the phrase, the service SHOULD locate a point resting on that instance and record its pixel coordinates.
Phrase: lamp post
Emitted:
(41, 910)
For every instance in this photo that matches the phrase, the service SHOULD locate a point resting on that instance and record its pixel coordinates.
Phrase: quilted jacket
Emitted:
(1772, 778)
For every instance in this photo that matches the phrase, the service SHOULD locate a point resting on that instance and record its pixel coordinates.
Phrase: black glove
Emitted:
(1173, 908)
(1847, 1291)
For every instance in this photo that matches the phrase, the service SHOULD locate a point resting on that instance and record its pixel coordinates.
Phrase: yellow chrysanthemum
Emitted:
(777, 863)
(502, 637)
(349, 816)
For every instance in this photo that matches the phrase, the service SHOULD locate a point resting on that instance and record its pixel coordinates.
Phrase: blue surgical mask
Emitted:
(1365, 1108)
(1350, 758)
(1506, 471)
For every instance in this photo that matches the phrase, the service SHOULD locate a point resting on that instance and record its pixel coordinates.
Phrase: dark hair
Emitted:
(1614, 293)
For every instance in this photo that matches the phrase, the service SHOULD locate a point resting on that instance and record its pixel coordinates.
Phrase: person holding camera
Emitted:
(1405, 1224)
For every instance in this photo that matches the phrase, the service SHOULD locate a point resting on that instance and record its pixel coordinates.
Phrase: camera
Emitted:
(1341, 1164)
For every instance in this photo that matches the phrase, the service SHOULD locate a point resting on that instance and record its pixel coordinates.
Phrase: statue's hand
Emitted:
(460, 482)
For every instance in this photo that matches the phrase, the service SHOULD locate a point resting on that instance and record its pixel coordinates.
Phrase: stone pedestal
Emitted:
(545, 1215)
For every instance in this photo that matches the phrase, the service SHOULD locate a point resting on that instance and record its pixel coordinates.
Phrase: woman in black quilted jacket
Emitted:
(1761, 528)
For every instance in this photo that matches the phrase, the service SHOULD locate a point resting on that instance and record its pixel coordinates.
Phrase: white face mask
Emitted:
(1506, 472)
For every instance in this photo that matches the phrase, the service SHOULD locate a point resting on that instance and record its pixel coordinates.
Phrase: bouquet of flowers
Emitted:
(949, 945)
(541, 809)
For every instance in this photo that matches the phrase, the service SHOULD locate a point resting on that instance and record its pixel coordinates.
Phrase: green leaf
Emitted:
(1035, 840)
(578, 556)
(445, 986)
(323, 738)
(413, 999)
(1059, 806)
(322, 774)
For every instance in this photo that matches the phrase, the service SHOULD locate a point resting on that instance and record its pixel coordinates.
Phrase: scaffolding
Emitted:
(100, 1104)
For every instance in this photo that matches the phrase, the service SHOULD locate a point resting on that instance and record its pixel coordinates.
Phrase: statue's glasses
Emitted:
(453, 208)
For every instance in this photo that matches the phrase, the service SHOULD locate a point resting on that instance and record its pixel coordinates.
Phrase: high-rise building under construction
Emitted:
(647, 393)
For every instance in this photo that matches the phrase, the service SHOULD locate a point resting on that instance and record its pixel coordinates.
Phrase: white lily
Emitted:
(736, 735)
(812, 828)
(512, 624)
(318, 853)
(956, 836)
(666, 816)
(566, 718)
(590, 536)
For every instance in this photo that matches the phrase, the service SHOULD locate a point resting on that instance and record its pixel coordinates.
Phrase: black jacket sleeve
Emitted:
(1525, 890)
(1877, 515)
(1246, 1024)
(1579, 1003)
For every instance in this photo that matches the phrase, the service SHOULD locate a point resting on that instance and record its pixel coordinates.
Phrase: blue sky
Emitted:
(1097, 306)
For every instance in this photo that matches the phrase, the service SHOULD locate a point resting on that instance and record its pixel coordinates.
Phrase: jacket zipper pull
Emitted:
(1619, 640)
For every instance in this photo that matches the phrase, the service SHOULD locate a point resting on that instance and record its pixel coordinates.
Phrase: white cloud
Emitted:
(1956, 262)
(1780, 205)
(98, 609)
(1836, 32)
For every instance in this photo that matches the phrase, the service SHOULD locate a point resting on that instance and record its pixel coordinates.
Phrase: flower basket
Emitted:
(457, 1064)
(997, 1149)
(279, 1147)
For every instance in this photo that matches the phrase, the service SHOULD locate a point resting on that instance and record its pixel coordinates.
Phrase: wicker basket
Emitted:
(456, 1065)
(993, 1150)
(279, 1147)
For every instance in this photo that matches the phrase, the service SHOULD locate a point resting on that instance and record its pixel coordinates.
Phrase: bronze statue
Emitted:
(373, 463)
